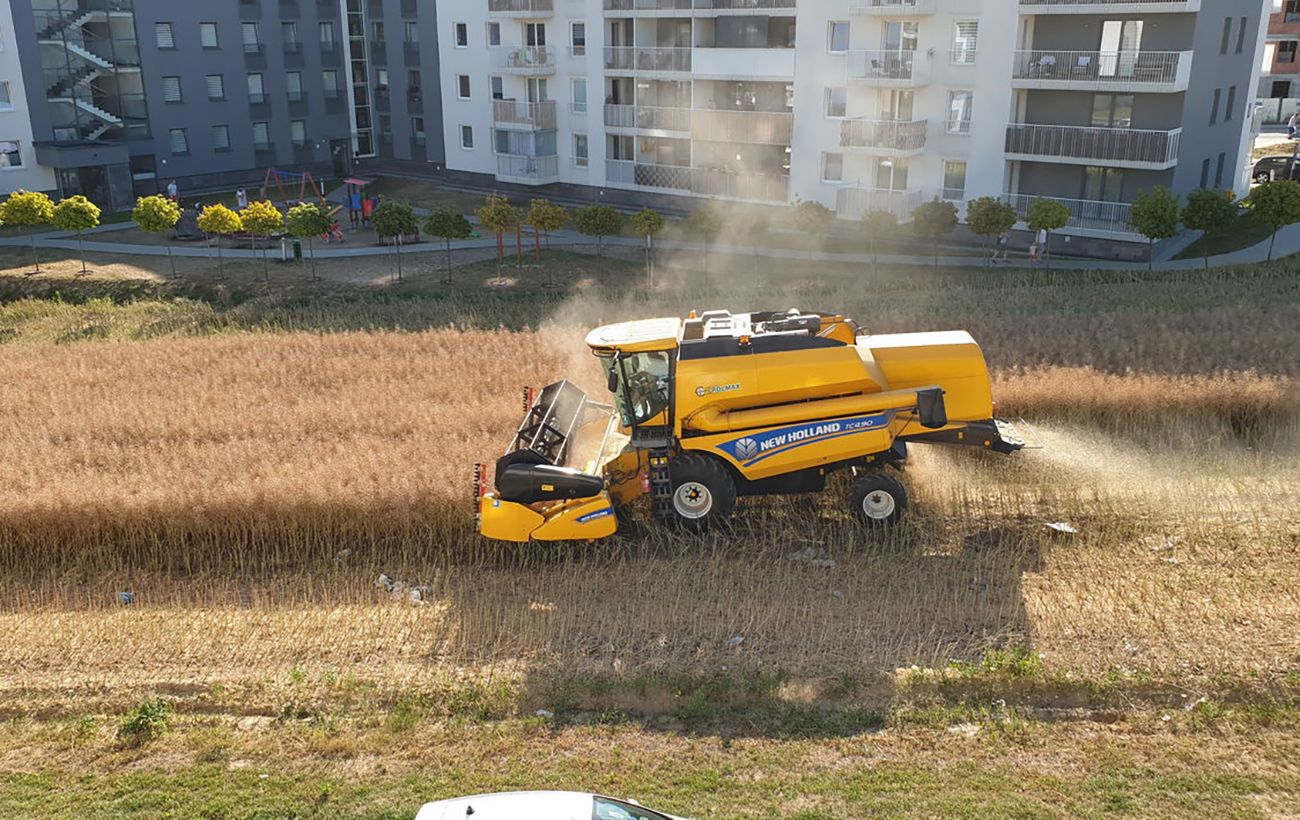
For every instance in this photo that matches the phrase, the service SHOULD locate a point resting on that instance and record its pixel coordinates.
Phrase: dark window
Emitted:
(1232, 102)
(1214, 109)
(1227, 35)
(1205, 172)
(1286, 51)
(1241, 35)
(1291, 13)
(1218, 172)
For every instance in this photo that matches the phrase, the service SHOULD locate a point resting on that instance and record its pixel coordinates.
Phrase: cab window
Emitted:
(642, 385)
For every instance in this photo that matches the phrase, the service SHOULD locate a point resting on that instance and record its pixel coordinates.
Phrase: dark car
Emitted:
(1270, 168)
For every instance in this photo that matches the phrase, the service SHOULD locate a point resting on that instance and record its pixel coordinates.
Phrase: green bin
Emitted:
(297, 250)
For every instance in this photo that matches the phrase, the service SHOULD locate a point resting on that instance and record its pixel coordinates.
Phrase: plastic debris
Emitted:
(736, 641)
(340, 555)
(385, 583)
(126, 598)
(544, 713)
(1062, 527)
(835, 593)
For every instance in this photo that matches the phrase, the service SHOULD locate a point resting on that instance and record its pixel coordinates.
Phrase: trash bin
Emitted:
(297, 250)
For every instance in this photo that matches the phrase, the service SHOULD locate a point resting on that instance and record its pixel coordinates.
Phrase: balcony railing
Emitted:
(528, 170)
(1116, 145)
(756, 127)
(853, 202)
(702, 5)
(648, 58)
(900, 8)
(524, 59)
(1108, 6)
(890, 136)
(536, 115)
(537, 8)
(1101, 69)
(1085, 214)
(898, 67)
(705, 181)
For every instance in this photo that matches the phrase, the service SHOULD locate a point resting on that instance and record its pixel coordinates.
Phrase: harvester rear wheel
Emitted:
(878, 499)
(703, 492)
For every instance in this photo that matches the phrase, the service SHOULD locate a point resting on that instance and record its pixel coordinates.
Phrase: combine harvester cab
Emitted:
(720, 405)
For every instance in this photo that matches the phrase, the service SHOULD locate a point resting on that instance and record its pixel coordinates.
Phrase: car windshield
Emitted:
(608, 809)
(642, 384)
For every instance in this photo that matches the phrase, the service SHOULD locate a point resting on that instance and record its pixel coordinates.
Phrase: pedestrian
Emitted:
(1000, 250)
(241, 198)
(1291, 125)
(1041, 239)
(1033, 253)
(354, 208)
(173, 191)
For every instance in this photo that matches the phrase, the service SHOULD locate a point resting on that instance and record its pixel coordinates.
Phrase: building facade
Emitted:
(1279, 81)
(128, 94)
(19, 169)
(856, 104)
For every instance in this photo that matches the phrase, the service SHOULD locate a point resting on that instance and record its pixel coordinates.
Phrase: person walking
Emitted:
(1291, 125)
(1033, 253)
(1041, 240)
(1000, 249)
(241, 198)
(173, 191)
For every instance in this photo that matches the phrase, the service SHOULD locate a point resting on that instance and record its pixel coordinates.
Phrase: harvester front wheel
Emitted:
(878, 499)
(703, 492)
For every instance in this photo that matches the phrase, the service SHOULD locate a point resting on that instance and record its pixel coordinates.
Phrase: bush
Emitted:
(145, 722)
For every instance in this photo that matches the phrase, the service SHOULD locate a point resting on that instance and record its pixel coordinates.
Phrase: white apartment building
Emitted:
(18, 167)
(856, 104)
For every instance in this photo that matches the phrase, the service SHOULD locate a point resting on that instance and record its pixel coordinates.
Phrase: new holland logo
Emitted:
(746, 449)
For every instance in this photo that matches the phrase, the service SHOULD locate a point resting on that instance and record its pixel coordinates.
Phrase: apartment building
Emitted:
(127, 94)
(1279, 82)
(857, 104)
(18, 166)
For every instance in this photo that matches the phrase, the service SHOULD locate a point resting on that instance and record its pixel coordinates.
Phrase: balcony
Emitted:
(710, 6)
(649, 118)
(521, 8)
(1086, 215)
(526, 61)
(893, 69)
(647, 58)
(704, 181)
(749, 63)
(892, 8)
(755, 127)
(1131, 71)
(889, 137)
(526, 170)
(648, 175)
(853, 202)
(537, 116)
(1086, 145)
(1108, 6)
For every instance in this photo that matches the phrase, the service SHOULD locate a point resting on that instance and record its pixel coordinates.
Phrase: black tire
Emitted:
(877, 499)
(704, 493)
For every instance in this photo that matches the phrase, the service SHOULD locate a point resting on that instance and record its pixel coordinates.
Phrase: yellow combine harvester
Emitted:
(720, 405)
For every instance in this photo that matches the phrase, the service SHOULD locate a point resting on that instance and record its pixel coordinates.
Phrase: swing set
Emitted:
(284, 182)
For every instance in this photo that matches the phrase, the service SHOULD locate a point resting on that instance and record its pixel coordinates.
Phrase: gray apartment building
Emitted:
(125, 95)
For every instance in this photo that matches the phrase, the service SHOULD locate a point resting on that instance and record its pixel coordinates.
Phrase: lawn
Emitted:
(1247, 233)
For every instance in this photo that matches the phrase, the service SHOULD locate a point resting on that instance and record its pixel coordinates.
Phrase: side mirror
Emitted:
(931, 409)
(612, 383)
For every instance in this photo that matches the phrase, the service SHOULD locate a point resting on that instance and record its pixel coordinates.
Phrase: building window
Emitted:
(534, 34)
(1241, 34)
(838, 37)
(466, 137)
(329, 80)
(960, 105)
(462, 86)
(298, 132)
(377, 27)
(837, 102)
(1291, 12)
(208, 35)
(1112, 111)
(171, 89)
(412, 29)
(327, 33)
(289, 35)
(163, 35)
(580, 151)
(1214, 109)
(417, 128)
(256, 91)
(6, 101)
(1218, 171)
(578, 36)
(216, 87)
(965, 42)
(461, 33)
(1205, 172)
(494, 34)
(1227, 35)
(180, 143)
(1102, 184)
(381, 82)
(221, 137)
(954, 179)
(11, 155)
(498, 88)
(293, 84)
(832, 167)
(579, 95)
(1231, 104)
(261, 136)
(252, 38)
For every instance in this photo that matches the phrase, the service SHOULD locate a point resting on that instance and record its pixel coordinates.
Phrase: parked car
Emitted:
(538, 806)
(1270, 168)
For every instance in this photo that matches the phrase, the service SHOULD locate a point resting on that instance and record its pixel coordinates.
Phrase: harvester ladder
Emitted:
(661, 485)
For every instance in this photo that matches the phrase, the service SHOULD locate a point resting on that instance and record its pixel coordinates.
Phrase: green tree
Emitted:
(448, 226)
(1046, 215)
(265, 220)
(988, 217)
(157, 214)
(498, 215)
(648, 223)
(1276, 204)
(599, 221)
(813, 218)
(1211, 212)
(219, 221)
(934, 220)
(395, 220)
(544, 217)
(878, 225)
(308, 220)
(77, 214)
(28, 209)
(705, 222)
(1154, 214)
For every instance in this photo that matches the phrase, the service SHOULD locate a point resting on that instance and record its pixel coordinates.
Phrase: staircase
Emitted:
(87, 55)
(84, 74)
(73, 20)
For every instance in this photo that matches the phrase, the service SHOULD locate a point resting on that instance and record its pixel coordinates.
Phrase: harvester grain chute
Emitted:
(721, 405)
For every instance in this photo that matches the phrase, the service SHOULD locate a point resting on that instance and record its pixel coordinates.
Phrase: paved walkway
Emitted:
(1288, 242)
